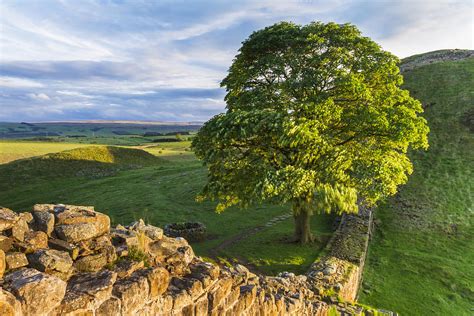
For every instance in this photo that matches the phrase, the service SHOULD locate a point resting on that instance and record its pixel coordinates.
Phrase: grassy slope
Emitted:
(162, 191)
(13, 150)
(86, 162)
(271, 252)
(421, 258)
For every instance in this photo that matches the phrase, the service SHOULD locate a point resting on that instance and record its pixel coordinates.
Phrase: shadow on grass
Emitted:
(88, 162)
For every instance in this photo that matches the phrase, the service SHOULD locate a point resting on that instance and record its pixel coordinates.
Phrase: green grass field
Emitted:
(421, 260)
(159, 184)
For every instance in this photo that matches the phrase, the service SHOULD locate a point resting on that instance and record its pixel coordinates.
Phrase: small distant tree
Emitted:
(315, 118)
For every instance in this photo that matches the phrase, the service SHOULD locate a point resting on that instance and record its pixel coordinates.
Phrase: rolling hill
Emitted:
(420, 258)
(88, 162)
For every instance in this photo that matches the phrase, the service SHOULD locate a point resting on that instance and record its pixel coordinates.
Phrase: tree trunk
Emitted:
(302, 218)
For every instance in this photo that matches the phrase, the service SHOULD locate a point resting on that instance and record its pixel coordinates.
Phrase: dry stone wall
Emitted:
(67, 260)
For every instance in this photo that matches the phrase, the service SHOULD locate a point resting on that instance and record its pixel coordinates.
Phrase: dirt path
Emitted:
(214, 252)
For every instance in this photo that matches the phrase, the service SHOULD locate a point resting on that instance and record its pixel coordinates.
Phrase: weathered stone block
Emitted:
(63, 245)
(247, 295)
(221, 290)
(15, 260)
(200, 268)
(9, 305)
(150, 231)
(233, 296)
(158, 280)
(76, 232)
(192, 286)
(8, 218)
(133, 293)
(112, 306)
(126, 267)
(34, 240)
(166, 247)
(2, 263)
(44, 221)
(75, 303)
(162, 305)
(38, 292)
(201, 306)
(75, 214)
(91, 263)
(92, 245)
(5, 243)
(26, 216)
(47, 260)
(123, 237)
(78, 223)
(97, 286)
(43, 207)
(181, 298)
(19, 229)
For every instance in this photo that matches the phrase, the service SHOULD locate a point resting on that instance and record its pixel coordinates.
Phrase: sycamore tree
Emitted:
(315, 119)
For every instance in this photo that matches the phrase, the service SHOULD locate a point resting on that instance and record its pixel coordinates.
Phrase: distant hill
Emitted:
(419, 60)
(120, 122)
(89, 162)
(124, 132)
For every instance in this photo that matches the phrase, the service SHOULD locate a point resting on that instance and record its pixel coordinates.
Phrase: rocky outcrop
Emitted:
(74, 263)
(437, 56)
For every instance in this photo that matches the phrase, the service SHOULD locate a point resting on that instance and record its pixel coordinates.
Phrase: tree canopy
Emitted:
(315, 117)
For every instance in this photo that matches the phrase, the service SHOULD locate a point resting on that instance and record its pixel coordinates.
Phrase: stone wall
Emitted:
(67, 260)
(340, 272)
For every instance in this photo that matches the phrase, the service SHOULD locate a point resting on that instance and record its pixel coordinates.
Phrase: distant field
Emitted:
(120, 134)
(421, 259)
(83, 129)
(128, 184)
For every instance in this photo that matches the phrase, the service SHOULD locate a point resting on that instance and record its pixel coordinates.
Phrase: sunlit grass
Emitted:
(13, 150)
(421, 258)
(161, 190)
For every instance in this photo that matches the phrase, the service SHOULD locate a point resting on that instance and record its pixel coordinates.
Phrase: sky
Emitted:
(164, 60)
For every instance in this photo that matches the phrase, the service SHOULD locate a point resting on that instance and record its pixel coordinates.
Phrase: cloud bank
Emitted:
(163, 60)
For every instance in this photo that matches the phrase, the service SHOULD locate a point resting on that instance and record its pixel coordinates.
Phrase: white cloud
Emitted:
(435, 25)
(220, 22)
(42, 40)
(39, 96)
(74, 94)
(186, 49)
(13, 82)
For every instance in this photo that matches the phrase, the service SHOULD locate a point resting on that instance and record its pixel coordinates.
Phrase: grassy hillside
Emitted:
(159, 184)
(421, 258)
(13, 150)
(87, 162)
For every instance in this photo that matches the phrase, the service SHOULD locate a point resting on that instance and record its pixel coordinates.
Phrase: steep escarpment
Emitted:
(67, 260)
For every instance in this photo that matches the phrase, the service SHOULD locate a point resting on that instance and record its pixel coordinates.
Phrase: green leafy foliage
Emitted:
(316, 117)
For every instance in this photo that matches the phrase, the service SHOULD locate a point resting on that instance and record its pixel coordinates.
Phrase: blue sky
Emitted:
(163, 60)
